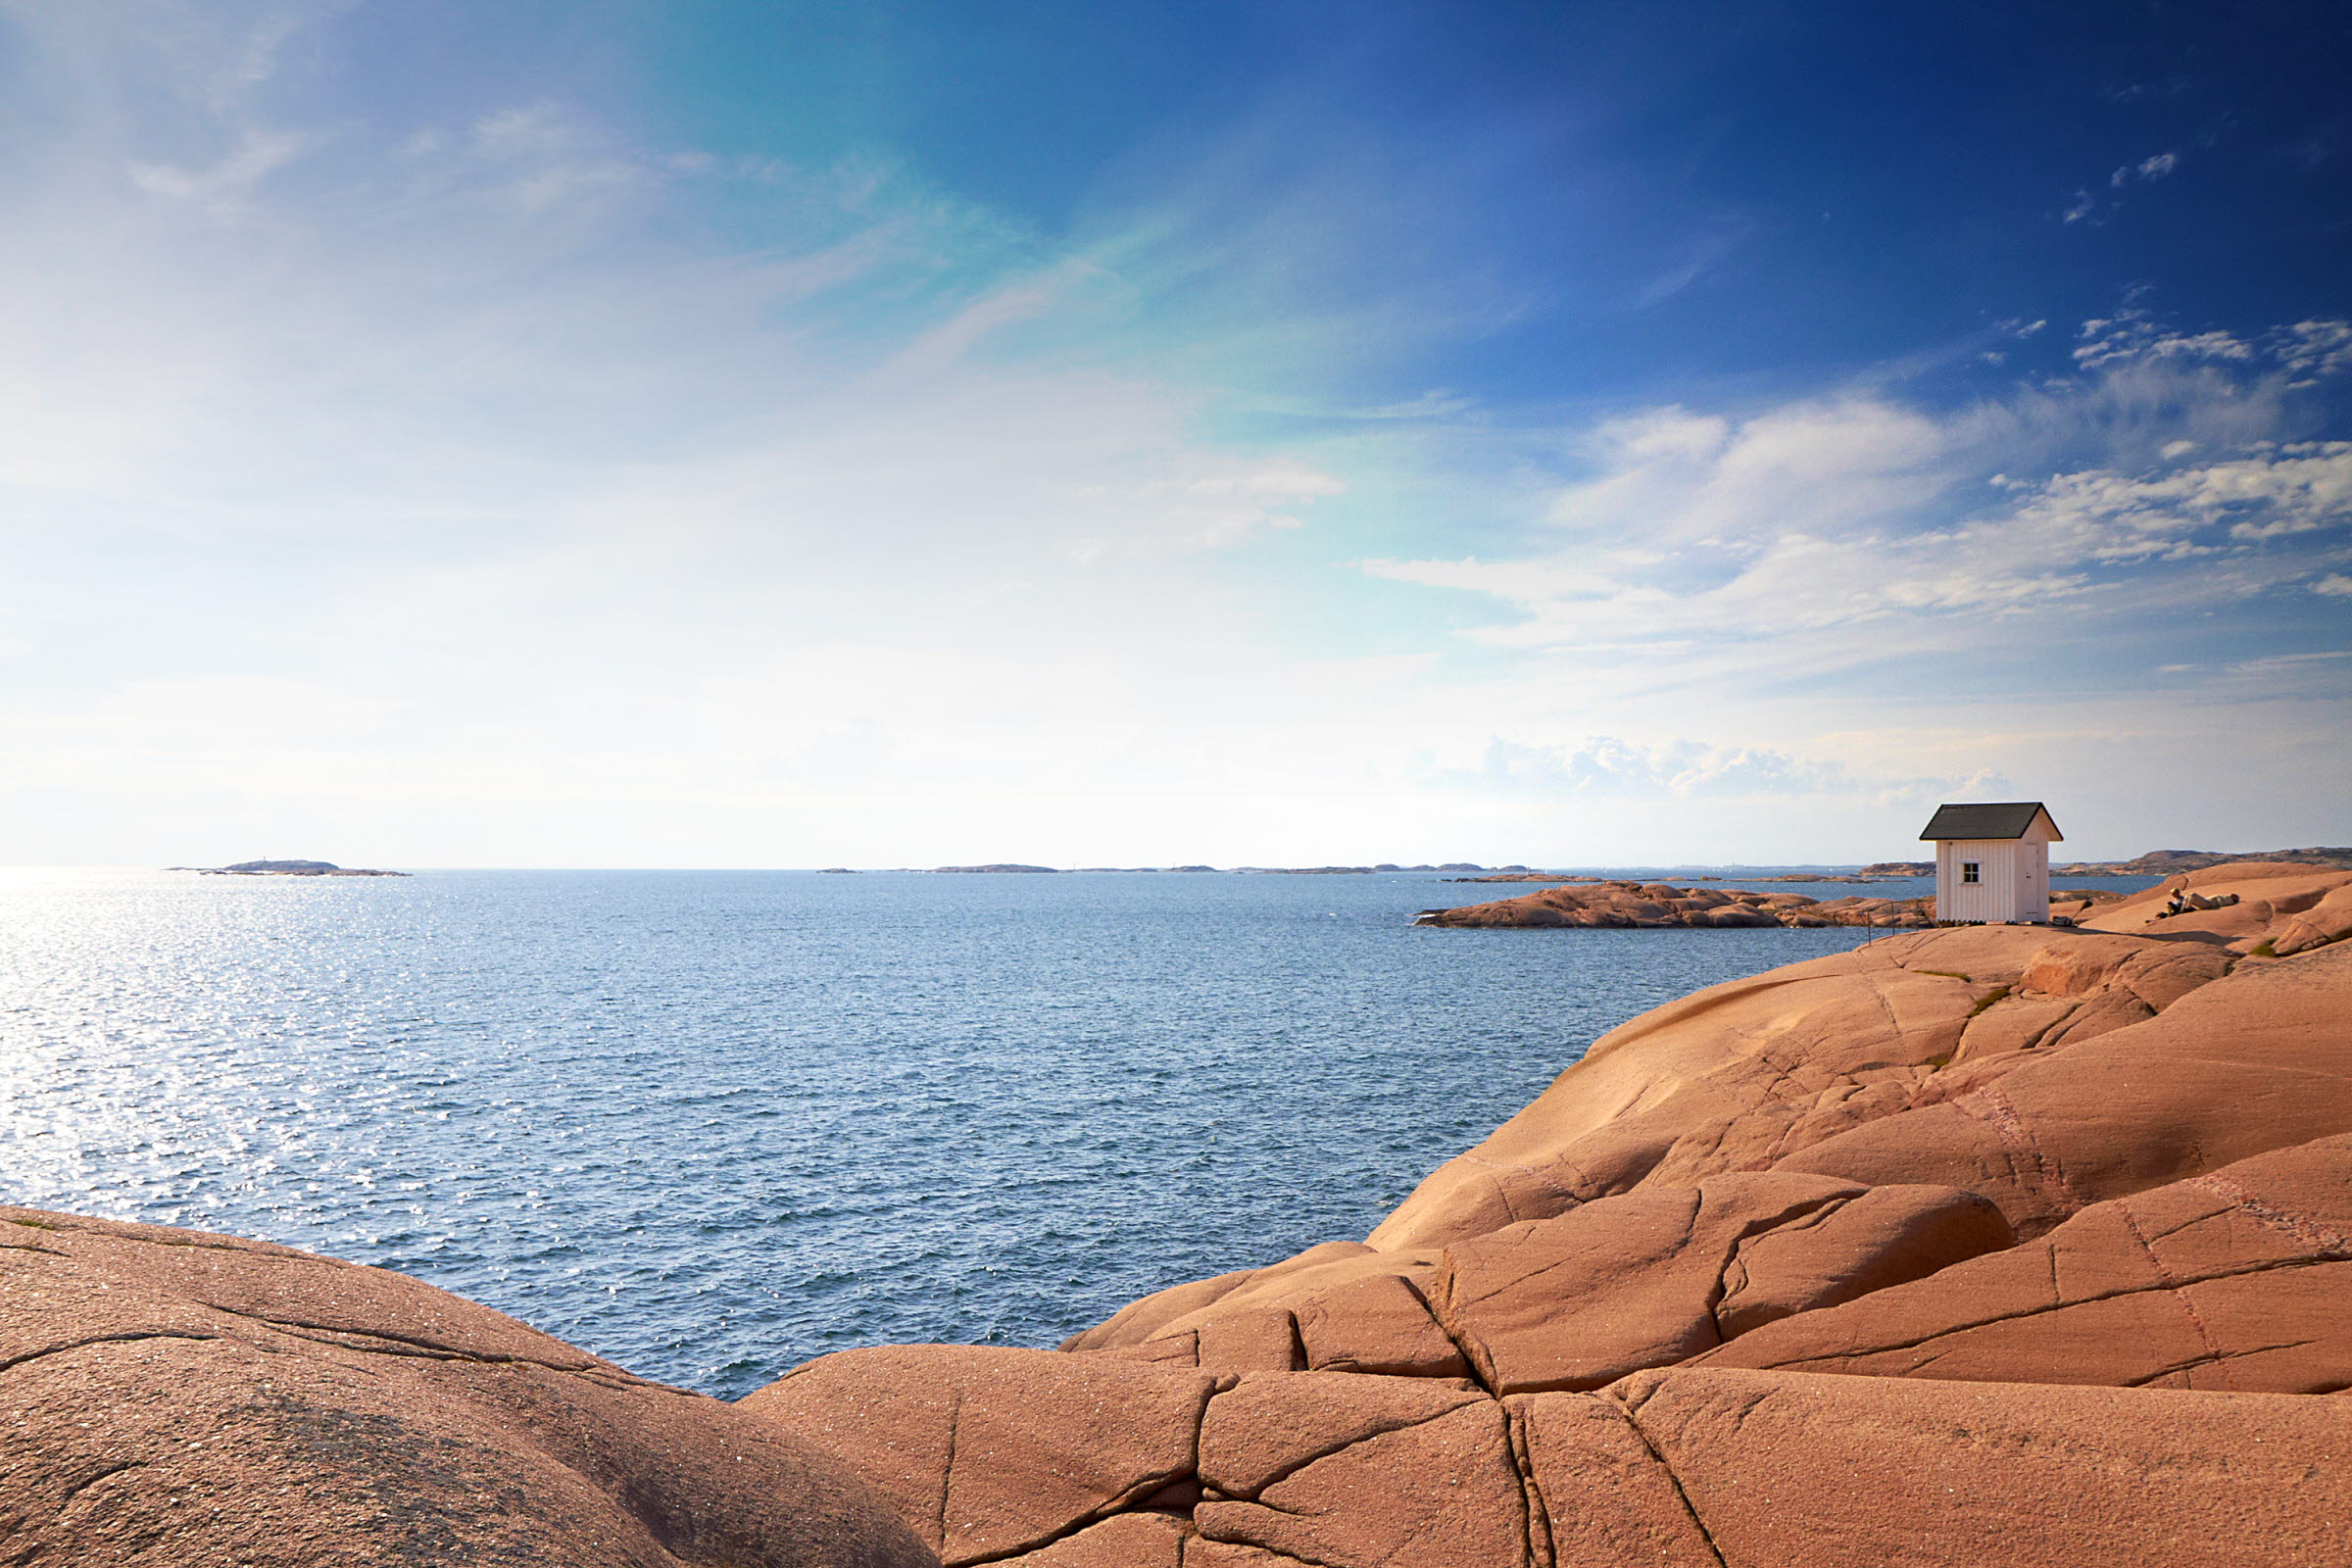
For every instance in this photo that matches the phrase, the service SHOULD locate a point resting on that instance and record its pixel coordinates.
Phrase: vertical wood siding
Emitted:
(2013, 880)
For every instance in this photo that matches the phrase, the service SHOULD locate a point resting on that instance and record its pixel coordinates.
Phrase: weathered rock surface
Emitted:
(2249, 1062)
(2240, 1280)
(987, 1453)
(175, 1398)
(1663, 1274)
(1746, 1287)
(1700, 1468)
(1746, 1075)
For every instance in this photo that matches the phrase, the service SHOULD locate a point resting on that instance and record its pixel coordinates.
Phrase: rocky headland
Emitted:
(1972, 1245)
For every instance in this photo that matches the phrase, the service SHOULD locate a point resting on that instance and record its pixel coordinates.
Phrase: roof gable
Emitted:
(1988, 820)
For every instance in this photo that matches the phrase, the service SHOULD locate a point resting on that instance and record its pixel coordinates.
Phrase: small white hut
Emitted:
(1992, 860)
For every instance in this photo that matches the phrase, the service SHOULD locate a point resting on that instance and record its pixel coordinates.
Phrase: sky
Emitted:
(760, 433)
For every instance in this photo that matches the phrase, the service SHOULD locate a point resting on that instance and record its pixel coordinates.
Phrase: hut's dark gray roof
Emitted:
(1987, 820)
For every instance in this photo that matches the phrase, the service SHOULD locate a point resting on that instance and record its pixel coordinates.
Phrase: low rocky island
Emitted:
(1001, 866)
(1973, 1245)
(1658, 905)
(284, 868)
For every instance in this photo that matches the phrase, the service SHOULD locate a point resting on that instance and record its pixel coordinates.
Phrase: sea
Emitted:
(710, 1124)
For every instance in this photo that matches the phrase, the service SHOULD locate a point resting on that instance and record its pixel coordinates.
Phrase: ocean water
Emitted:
(710, 1124)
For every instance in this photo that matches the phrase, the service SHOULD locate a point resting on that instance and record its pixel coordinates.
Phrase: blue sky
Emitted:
(777, 434)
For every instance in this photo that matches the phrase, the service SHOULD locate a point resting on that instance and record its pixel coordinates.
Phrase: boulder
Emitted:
(2327, 920)
(2236, 1280)
(1665, 1273)
(175, 1398)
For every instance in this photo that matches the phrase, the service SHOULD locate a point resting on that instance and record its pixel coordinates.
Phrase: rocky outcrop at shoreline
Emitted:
(1972, 1245)
(1657, 906)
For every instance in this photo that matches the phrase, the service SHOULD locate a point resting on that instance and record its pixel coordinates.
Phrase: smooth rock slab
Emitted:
(176, 1399)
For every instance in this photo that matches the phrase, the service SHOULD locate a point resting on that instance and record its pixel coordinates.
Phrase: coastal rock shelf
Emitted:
(1991, 1244)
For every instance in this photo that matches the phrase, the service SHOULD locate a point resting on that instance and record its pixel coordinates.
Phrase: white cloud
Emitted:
(2336, 585)
(1608, 768)
(2313, 350)
(1835, 535)
(2133, 336)
(2147, 168)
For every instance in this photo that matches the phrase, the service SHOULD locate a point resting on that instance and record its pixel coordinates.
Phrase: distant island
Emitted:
(1044, 870)
(283, 868)
(2156, 863)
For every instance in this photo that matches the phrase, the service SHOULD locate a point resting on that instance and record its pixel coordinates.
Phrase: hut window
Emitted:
(1968, 870)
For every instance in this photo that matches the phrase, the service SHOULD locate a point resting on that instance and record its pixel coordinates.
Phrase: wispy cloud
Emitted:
(1606, 768)
(1843, 533)
(2146, 169)
(2087, 206)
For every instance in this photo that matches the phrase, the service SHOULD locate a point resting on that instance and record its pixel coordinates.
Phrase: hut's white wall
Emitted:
(2013, 878)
